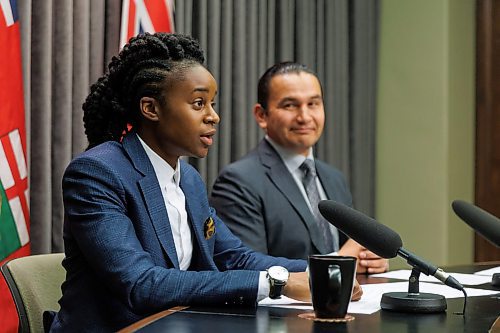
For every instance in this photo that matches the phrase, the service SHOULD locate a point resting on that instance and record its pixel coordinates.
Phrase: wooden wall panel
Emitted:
(487, 119)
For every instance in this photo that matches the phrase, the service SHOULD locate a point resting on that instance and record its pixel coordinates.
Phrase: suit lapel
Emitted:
(197, 216)
(326, 182)
(330, 189)
(152, 195)
(284, 181)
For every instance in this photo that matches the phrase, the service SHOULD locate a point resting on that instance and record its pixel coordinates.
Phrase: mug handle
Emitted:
(334, 280)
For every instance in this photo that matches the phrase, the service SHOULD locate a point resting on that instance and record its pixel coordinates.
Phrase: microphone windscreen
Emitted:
(478, 219)
(375, 236)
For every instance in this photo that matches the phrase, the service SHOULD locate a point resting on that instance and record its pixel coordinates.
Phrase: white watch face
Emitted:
(278, 273)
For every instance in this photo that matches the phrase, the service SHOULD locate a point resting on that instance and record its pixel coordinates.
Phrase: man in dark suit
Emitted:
(263, 197)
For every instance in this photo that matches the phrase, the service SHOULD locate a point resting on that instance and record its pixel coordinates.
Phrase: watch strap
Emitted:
(275, 289)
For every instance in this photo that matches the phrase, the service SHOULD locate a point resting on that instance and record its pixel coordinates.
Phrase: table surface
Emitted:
(480, 315)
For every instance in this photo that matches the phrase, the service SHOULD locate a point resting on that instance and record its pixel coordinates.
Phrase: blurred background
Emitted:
(412, 100)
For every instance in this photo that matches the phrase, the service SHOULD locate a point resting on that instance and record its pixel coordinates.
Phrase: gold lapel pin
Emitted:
(209, 228)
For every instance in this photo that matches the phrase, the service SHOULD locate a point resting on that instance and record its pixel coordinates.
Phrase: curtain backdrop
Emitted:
(67, 44)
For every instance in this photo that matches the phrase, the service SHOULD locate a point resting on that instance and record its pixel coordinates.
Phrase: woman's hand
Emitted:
(297, 287)
(357, 291)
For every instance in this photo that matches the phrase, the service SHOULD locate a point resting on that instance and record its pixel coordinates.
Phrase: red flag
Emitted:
(14, 206)
(145, 16)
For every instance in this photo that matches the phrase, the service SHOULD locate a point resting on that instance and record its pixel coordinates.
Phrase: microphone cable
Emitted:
(465, 304)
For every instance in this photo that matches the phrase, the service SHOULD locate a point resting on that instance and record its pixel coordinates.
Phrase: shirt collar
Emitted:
(164, 172)
(291, 159)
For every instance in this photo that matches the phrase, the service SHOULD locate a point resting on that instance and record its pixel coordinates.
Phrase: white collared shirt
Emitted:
(175, 202)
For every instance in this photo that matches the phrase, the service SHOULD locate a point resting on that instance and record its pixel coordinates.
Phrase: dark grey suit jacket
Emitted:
(259, 200)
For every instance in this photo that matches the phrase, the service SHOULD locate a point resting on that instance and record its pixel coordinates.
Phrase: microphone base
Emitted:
(495, 280)
(416, 303)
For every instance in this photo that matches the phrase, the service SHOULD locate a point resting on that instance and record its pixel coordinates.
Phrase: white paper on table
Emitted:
(286, 302)
(465, 279)
(372, 294)
(489, 272)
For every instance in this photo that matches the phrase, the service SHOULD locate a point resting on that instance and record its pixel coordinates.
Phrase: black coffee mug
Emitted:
(331, 279)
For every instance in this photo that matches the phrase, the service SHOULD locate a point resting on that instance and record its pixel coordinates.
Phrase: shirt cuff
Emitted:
(263, 291)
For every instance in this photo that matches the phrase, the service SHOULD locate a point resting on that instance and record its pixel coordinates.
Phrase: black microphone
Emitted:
(478, 219)
(378, 238)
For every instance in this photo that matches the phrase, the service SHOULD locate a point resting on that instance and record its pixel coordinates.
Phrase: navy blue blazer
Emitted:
(259, 200)
(121, 261)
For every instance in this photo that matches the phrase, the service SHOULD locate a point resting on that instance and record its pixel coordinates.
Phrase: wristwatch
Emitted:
(277, 276)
